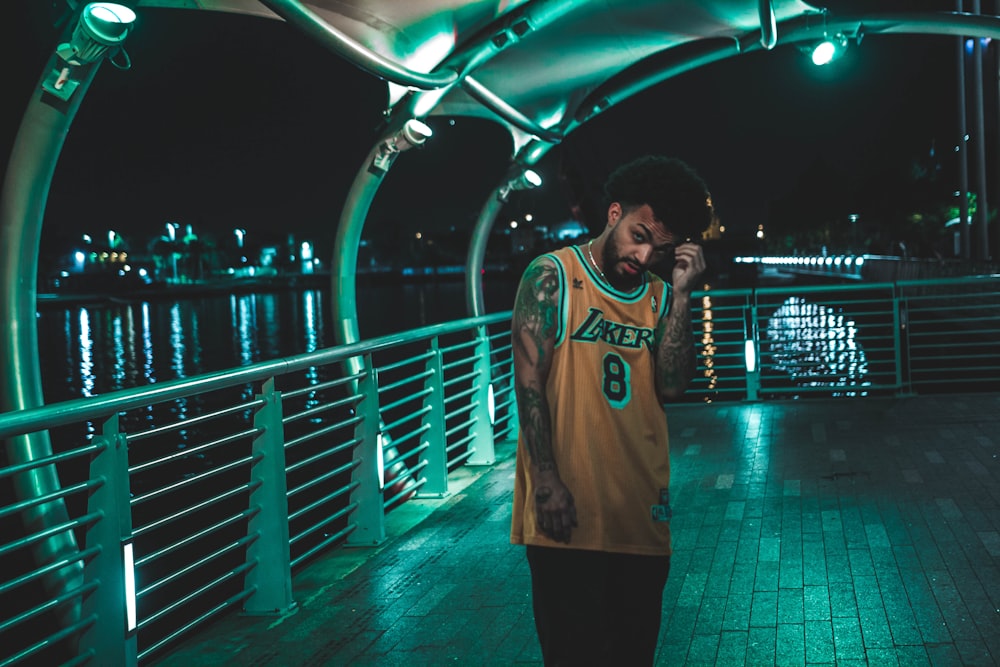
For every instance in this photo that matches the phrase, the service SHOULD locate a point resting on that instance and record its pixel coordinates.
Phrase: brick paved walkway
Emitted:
(850, 532)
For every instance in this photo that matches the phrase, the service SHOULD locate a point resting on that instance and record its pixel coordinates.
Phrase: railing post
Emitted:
(901, 342)
(482, 444)
(368, 476)
(751, 350)
(436, 454)
(271, 578)
(111, 639)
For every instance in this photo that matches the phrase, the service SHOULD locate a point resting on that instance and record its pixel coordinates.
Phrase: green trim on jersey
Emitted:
(563, 314)
(601, 284)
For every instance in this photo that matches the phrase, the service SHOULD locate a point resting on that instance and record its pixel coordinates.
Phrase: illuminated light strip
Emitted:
(128, 560)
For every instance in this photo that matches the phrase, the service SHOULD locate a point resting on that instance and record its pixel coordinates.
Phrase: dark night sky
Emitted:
(228, 121)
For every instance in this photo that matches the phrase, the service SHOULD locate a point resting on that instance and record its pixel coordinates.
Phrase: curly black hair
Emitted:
(678, 196)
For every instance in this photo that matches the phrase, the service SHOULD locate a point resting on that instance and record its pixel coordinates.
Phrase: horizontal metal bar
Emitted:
(503, 419)
(188, 451)
(188, 539)
(193, 421)
(409, 489)
(460, 378)
(464, 441)
(50, 640)
(350, 465)
(306, 555)
(196, 593)
(405, 381)
(326, 430)
(322, 524)
(464, 345)
(38, 573)
(188, 481)
(419, 449)
(458, 397)
(80, 452)
(103, 405)
(49, 605)
(415, 432)
(320, 409)
(406, 418)
(344, 446)
(500, 406)
(243, 541)
(501, 378)
(322, 501)
(195, 622)
(64, 492)
(466, 424)
(86, 656)
(496, 335)
(409, 361)
(319, 386)
(352, 400)
(461, 457)
(34, 538)
(406, 399)
(142, 530)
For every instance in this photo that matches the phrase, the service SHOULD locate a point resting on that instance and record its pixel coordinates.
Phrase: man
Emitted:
(600, 343)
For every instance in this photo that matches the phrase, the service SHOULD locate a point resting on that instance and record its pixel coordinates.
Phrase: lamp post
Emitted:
(172, 228)
(240, 236)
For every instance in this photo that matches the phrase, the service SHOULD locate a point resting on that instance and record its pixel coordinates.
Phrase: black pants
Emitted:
(596, 608)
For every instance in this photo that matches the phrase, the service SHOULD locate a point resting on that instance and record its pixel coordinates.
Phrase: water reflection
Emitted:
(148, 373)
(817, 347)
(243, 316)
(93, 349)
(708, 347)
(87, 377)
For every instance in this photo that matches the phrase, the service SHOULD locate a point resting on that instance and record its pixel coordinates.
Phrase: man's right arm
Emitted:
(534, 325)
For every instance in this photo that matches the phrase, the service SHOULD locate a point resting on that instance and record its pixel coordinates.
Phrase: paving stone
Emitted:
(812, 532)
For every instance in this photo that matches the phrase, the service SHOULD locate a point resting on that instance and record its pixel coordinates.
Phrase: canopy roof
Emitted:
(544, 66)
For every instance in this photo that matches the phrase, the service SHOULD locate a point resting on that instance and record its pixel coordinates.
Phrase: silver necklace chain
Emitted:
(590, 253)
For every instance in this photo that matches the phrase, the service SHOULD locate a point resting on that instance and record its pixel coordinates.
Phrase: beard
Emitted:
(611, 260)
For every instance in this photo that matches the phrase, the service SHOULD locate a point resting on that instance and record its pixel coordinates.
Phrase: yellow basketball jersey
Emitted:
(609, 430)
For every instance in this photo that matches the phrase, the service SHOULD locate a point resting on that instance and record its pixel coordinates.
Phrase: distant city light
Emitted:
(528, 217)
(513, 224)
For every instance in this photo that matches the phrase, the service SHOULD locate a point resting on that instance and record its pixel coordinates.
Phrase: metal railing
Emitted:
(210, 491)
(216, 488)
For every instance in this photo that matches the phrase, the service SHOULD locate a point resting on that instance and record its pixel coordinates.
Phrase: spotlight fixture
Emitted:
(101, 27)
(829, 49)
(526, 180)
(413, 134)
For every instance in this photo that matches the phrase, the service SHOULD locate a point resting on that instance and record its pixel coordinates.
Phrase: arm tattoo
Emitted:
(675, 360)
(534, 324)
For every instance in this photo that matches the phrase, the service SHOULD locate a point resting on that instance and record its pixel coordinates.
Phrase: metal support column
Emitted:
(482, 443)
(432, 426)
(271, 578)
(25, 191)
(367, 480)
(111, 638)
(982, 239)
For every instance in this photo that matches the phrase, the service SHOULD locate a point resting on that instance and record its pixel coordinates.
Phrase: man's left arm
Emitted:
(675, 358)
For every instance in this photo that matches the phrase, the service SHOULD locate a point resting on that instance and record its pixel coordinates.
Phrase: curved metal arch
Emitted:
(668, 64)
(23, 197)
(298, 15)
